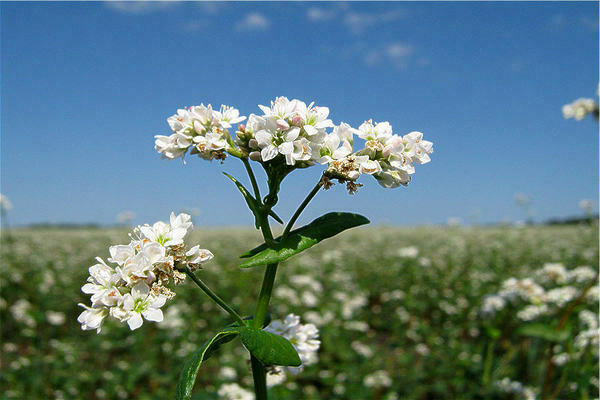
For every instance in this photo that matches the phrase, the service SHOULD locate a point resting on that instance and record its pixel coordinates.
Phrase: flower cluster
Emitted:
(549, 291)
(304, 338)
(200, 128)
(293, 133)
(135, 286)
(580, 108)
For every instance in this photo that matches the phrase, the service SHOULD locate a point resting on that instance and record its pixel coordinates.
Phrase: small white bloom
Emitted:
(102, 284)
(228, 116)
(377, 379)
(172, 147)
(196, 255)
(5, 204)
(374, 131)
(92, 317)
(233, 391)
(304, 338)
(140, 302)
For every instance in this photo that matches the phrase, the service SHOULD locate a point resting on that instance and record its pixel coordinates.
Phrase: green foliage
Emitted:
(190, 368)
(543, 331)
(413, 314)
(303, 238)
(268, 348)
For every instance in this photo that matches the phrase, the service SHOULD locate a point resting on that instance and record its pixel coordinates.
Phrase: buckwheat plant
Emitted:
(135, 281)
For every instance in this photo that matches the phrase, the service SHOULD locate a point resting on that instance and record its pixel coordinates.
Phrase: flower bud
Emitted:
(255, 156)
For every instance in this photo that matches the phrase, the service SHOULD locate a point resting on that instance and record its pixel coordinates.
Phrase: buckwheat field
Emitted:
(439, 313)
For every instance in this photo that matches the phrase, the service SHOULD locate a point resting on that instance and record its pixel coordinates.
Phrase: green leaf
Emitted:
(275, 216)
(543, 331)
(191, 366)
(268, 348)
(303, 238)
(250, 201)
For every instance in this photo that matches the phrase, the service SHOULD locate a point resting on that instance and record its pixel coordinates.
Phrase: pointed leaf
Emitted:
(250, 201)
(275, 216)
(191, 366)
(303, 238)
(543, 331)
(268, 348)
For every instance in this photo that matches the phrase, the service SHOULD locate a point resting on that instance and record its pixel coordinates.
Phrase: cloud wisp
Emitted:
(139, 7)
(396, 54)
(356, 22)
(253, 22)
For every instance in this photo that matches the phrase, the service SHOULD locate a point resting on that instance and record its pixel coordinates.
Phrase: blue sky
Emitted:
(85, 87)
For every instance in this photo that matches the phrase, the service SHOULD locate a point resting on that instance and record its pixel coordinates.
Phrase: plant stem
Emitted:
(252, 179)
(301, 208)
(214, 296)
(561, 325)
(258, 370)
(260, 379)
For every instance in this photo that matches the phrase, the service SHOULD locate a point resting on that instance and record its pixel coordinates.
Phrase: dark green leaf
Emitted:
(268, 348)
(191, 366)
(275, 216)
(303, 238)
(251, 201)
(543, 331)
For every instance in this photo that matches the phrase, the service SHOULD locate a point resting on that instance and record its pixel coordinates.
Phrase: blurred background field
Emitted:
(403, 313)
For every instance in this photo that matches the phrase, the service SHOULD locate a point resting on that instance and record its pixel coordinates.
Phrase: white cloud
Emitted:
(360, 22)
(316, 14)
(253, 22)
(356, 22)
(139, 7)
(590, 23)
(396, 54)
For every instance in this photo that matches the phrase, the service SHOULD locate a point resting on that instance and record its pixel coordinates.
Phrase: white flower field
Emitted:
(402, 313)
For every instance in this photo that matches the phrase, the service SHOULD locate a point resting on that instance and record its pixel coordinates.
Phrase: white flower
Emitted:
(211, 141)
(273, 142)
(579, 108)
(554, 272)
(374, 131)
(304, 338)
(172, 147)
(102, 284)
(140, 302)
(120, 253)
(281, 109)
(5, 204)
(313, 119)
(135, 269)
(92, 317)
(416, 148)
(233, 391)
(165, 234)
(203, 118)
(369, 167)
(492, 304)
(181, 122)
(377, 379)
(301, 151)
(196, 255)
(228, 116)
(331, 149)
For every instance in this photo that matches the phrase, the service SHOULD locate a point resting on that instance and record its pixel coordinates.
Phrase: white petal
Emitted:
(153, 314)
(135, 321)
(310, 130)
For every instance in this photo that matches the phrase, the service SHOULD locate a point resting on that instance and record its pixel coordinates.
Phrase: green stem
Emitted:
(260, 379)
(301, 208)
(252, 179)
(214, 296)
(258, 370)
(488, 363)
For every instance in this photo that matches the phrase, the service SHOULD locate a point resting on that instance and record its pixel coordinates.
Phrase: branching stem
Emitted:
(214, 296)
